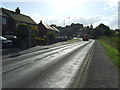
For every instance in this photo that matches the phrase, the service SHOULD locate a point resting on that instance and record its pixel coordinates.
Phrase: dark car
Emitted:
(5, 43)
(13, 38)
(85, 38)
(10, 37)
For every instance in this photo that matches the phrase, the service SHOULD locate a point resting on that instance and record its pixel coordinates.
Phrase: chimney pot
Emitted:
(40, 21)
(17, 10)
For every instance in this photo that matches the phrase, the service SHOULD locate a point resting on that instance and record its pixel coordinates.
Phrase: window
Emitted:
(3, 20)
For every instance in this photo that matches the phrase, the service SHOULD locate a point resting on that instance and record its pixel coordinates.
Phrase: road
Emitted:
(55, 67)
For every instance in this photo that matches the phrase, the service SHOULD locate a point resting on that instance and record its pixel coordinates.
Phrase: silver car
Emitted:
(5, 43)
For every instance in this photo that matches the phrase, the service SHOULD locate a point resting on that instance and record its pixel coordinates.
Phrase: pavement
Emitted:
(12, 52)
(101, 72)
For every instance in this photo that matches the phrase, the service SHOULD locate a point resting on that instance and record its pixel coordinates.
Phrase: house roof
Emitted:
(55, 29)
(3, 14)
(17, 17)
(47, 26)
(50, 27)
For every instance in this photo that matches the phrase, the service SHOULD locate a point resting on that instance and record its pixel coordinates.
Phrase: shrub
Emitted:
(40, 41)
(22, 35)
(118, 41)
(22, 31)
(34, 31)
(50, 37)
(113, 41)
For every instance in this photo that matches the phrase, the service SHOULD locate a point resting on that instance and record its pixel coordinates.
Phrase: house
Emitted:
(55, 29)
(45, 28)
(11, 19)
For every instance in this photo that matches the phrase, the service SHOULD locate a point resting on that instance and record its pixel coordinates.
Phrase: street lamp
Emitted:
(66, 18)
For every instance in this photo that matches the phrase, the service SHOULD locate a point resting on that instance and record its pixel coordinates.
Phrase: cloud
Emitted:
(67, 0)
(111, 21)
(119, 15)
(63, 5)
(110, 4)
(25, 0)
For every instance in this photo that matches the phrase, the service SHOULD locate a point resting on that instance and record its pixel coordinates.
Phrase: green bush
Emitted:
(50, 37)
(22, 31)
(34, 33)
(40, 41)
(112, 41)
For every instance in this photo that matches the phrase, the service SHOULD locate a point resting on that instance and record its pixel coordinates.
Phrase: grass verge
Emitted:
(74, 40)
(113, 54)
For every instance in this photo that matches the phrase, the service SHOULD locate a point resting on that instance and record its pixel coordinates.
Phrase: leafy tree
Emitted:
(107, 32)
(87, 27)
(98, 32)
(106, 29)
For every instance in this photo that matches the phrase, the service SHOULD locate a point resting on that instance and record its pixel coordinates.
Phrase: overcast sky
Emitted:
(78, 11)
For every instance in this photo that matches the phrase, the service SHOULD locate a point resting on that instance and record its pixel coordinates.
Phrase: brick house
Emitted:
(10, 20)
(45, 28)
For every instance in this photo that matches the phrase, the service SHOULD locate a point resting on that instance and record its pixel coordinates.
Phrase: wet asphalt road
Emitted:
(50, 68)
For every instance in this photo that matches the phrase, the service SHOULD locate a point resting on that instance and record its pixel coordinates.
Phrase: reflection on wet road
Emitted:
(49, 68)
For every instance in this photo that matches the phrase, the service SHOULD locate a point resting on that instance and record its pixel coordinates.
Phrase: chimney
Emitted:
(40, 21)
(17, 10)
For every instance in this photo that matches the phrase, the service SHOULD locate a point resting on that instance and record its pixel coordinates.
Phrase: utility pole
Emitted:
(65, 19)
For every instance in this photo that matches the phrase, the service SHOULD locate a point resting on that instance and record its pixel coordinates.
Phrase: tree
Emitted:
(107, 32)
(106, 29)
(98, 32)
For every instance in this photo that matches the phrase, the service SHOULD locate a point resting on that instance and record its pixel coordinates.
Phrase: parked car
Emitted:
(85, 38)
(10, 37)
(5, 43)
(13, 38)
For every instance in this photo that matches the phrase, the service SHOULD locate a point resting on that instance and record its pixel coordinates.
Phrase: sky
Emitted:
(65, 12)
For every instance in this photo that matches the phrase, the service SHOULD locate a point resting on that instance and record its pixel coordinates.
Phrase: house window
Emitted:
(3, 20)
